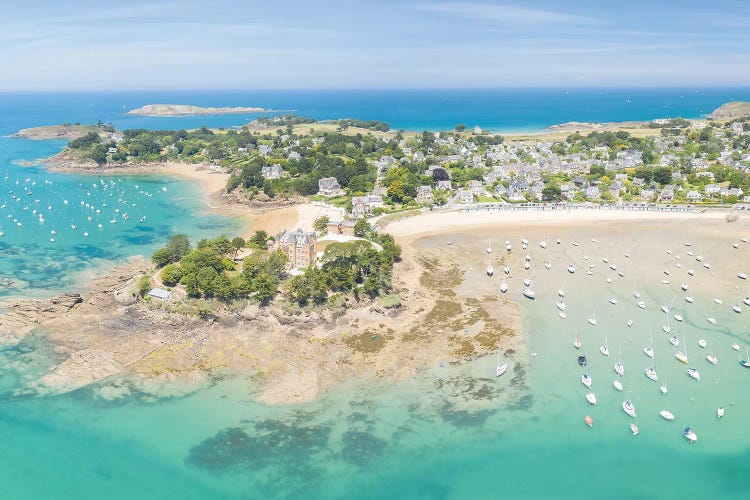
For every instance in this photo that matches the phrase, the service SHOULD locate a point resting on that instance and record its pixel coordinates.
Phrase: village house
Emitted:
(345, 227)
(272, 172)
(265, 149)
(424, 194)
(329, 186)
(465, 197)
(666, 194)
(592, 192)
(693, 196)
(712, 189)
(444, 186)
(298, 246)
(476, 188)
(648, 194)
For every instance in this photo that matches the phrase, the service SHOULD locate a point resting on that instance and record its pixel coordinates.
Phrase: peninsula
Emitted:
(731, 110)
(186, 110)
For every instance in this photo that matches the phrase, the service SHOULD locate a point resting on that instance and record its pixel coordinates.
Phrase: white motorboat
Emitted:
(526, 282)
(711, 320)
(575, 243)
(742, 276)
(684, 287)
(669, 252)
(735, 347)
(666, 415)
(628, 408)
(548, 265)
(627, 255)
(711, 357)
(664, 282)
(490, 270)
(526, 265)
(637, 294)
(634, 429)
(527, 258)
(641, 304)
(665, 309)
(717, 300)
(663, 389)
(591, 398)
(609, 280)
(690, 435)
(613, 266)
(651, 374)
(561, 292)
(649, 351)
(508, 246)
(707, 265)
(503, 287)
(687, 244)
(571, 269)
(666, 328)
(689, 299)
(678, 265)
(589, 272)
(743, 240)
(586, 380)
(735, 245)
(691, 272)
(736, 308)
(621, 274)
(720, 412)
(629, 322)
(679, 318)
(560, 305)
(702, 343)
(562, 315)
(557, 240)
(746, 301)
(694, 374)
(543, 244)
(524, 241)
(577, 341)
(529, 293)
(699, 258)
(666, 272)
(617, 385)
(506, 269)
(613, 301)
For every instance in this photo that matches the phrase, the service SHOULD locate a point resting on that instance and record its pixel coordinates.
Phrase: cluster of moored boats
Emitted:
(674, 339)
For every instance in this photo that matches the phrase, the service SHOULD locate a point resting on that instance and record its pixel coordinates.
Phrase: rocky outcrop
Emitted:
(731, 110)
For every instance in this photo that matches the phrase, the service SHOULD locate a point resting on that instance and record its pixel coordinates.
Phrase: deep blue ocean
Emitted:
(501, 110)
(382, 439)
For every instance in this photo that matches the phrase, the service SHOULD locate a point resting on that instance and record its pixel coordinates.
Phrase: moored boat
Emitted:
(591, 398)
(577, 341)
(529, 293)
(651, 374)
(702, 343)
(589, 421)
(720, 412)
(628, 408)
(617, 385)
(586, 380)
(694, 374)
(666, 415)
(582, 360)
(503, 287)
(690, 435)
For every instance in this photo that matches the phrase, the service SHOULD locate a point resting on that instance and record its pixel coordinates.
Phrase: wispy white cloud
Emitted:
(494, 12)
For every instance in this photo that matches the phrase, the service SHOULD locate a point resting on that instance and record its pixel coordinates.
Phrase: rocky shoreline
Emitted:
(110, 337)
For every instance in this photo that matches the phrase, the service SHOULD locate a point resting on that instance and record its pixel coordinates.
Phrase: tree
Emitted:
(260, 238)
(191, 284)
(222, 287)
(460, 127)
(206, 277)
(552, 192)
(396, 191)
(237, 245)
(265, 288)
(321, 223)
(171, 274)
(362, 229)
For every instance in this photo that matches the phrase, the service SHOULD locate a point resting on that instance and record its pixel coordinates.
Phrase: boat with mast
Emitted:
(489, 246)
(605, 348)
(577, 341)
(682, 356)
(592, 319)
(745, 362)
(649, 349)
(619, 367)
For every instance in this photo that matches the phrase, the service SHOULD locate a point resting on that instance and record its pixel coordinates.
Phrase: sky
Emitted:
(336, 44)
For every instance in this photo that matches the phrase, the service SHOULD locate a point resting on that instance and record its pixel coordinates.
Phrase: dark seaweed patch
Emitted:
(361, 448)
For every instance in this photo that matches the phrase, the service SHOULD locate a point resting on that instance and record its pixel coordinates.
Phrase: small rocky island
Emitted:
(186, 110)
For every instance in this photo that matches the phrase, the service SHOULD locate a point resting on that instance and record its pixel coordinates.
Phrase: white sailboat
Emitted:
(561, 292)
(694, 374)
(577, 341)
(591, 398)
(508, 246)
(548, 264)
(629, 408)
(605, 348)
(506, 269)
(617, 385)
(503, 287)
(619, 367)
(560, 305)
(666, 415)
(592, 319)
(571, 269)
(490, 270)
(663, 388)
(489, 246)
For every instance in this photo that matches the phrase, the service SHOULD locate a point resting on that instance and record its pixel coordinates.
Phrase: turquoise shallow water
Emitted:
(447, 433)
